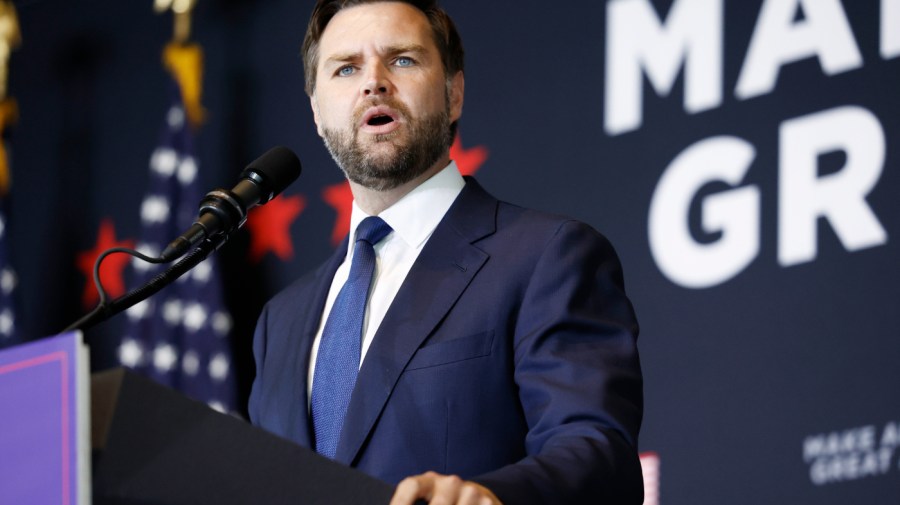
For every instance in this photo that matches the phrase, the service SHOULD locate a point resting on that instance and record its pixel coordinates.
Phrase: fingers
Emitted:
(470, 494)
(446, 490)
(439, 489)
(414, 488)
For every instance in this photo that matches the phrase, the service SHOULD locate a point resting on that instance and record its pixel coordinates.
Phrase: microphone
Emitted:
(224, 211)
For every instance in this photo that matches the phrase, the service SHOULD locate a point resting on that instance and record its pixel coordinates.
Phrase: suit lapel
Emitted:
(441, 273)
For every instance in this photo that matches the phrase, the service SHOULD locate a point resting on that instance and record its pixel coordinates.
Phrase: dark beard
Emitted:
(429, 139)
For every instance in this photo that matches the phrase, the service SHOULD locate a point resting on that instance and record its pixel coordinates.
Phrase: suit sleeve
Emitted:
(579, 379)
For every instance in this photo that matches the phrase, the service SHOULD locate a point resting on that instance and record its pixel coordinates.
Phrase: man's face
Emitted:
(382, 102)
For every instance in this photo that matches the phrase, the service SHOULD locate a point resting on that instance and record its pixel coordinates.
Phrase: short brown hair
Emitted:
(446, 37)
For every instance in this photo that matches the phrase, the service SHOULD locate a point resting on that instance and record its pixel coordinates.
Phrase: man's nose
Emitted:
(376, 82)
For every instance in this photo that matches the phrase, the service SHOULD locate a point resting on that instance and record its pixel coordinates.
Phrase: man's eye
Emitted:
(404, 61)
(345, 71)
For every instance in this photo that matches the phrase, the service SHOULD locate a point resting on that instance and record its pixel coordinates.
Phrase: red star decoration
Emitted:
(340, 197)
(468, 160)
(270, 227)
(112, 268)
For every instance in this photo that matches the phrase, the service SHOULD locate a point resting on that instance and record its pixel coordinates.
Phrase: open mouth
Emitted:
(379, 120)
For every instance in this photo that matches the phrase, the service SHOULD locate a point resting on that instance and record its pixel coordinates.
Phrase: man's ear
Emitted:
(314, 104)
(456, 91)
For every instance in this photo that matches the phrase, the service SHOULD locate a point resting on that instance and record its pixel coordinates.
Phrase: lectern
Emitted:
(151, 445)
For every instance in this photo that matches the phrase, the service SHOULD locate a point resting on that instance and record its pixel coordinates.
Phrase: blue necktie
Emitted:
(337, 362)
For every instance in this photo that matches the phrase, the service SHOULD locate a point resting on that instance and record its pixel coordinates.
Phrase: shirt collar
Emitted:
(415, 216)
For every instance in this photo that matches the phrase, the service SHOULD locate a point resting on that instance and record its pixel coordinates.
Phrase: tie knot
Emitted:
(372, 229)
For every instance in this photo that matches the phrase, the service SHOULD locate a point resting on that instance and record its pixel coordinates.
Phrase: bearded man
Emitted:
(470, 350)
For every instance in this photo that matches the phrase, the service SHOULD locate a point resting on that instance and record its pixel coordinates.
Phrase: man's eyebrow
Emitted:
(403, 48)
(341, 58)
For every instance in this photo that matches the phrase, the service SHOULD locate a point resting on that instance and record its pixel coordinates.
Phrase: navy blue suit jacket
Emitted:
(507, 357)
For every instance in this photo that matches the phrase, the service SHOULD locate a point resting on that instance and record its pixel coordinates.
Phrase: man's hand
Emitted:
(439, 489)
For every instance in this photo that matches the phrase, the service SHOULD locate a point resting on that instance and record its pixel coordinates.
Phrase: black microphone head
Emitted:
(275, 170)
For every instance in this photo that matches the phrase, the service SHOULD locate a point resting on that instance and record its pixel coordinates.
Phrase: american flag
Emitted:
(180, 336)
(8, 334)
(7, 285)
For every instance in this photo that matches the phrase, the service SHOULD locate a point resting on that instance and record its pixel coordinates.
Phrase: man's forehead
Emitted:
(383, 26)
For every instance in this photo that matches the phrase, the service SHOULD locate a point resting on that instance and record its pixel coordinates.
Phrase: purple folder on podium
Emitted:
(44, 432)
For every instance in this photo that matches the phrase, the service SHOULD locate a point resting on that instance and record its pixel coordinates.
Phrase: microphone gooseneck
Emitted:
(223, 211)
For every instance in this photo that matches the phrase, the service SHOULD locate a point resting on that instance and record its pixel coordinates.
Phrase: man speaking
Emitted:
(468, 349)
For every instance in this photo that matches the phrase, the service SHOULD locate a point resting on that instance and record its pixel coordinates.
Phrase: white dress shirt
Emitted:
(413, 219)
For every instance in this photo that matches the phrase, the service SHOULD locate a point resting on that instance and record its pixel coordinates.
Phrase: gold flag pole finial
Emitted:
(183, 58)
(10, 38)
(182, 10)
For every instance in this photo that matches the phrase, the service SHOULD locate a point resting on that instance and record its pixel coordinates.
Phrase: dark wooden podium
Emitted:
(153, 446)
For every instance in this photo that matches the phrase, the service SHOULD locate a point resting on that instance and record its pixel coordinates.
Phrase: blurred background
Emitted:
(742, 156)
